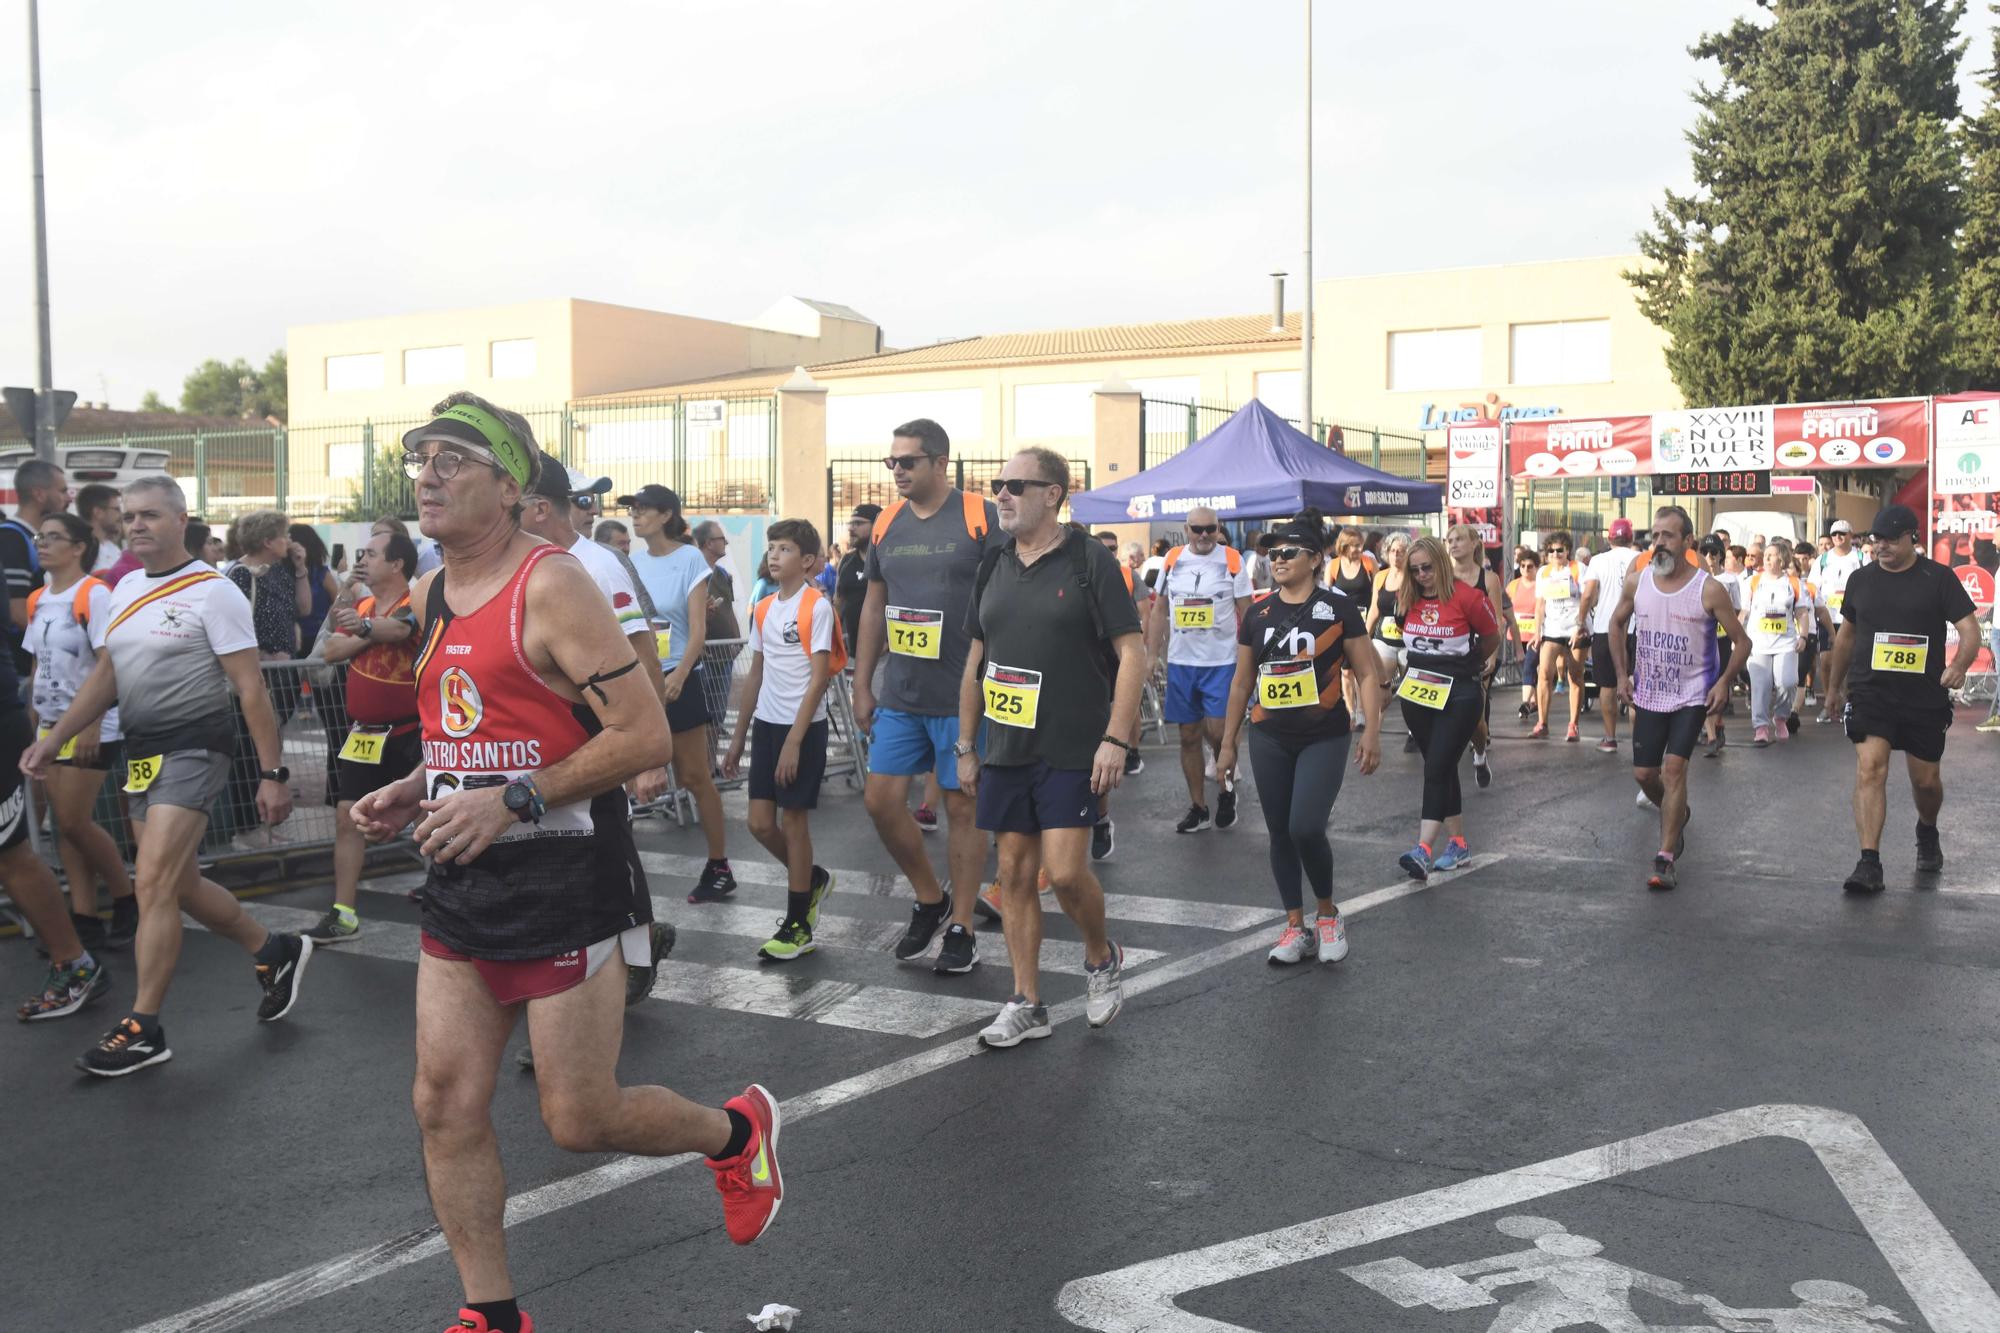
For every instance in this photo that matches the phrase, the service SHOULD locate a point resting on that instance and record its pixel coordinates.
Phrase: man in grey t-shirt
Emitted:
(923, 558)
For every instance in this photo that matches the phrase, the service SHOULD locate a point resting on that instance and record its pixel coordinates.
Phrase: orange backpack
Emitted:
(975, 517)
(837, 656)
(81, 605)
(1231, 557)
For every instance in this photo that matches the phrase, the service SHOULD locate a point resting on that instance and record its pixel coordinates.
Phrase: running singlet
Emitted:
(547, 887)
(1677, 658)
(1356, 586)
(1387, 627)
(1296, 690)
(381, 691)
(1439, 634)
(1559, 594)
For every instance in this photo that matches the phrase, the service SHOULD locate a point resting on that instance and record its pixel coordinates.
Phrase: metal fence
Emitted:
(856, 478)
(720, 454)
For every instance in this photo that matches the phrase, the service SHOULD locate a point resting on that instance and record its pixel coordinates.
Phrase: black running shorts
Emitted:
(1657, 735)
(1917, 732)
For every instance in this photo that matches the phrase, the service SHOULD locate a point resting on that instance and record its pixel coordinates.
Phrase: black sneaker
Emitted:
(1100, 840)
(1866, 877)
(1225, 807)
(1791, 724)
(717, 882)
(639, 980)
(925, 918)
(281, 979)
(124, 922)
(1930, 853)
(1194, 821)
(959, 952)
(1409, 744)
(333, 929)
(1482, 768)
(1135, 763)
(1665, 874)
(125, 1049)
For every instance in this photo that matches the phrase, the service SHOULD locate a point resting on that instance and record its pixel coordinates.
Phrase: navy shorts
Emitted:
(1028, 798)
(690, 711)
(767, 739)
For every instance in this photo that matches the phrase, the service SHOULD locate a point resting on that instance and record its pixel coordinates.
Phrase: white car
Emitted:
(114, 465)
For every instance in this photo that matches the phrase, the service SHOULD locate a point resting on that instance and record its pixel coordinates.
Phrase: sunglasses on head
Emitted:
(907, 462)
(1202, 529)
(1018, 485)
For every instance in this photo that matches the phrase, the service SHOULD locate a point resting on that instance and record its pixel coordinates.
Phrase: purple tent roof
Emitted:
(1256, 465)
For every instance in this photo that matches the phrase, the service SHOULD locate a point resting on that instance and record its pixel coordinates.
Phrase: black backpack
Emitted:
(1075, 549)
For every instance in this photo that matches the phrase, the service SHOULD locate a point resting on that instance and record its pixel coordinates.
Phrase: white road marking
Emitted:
(267, 1299)
(1118, 906)
(1947, 1289)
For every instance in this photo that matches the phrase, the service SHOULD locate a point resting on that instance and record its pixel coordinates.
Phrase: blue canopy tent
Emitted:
(1255, 465)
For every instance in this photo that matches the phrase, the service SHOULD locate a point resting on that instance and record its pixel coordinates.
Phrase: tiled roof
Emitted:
(1228, 333)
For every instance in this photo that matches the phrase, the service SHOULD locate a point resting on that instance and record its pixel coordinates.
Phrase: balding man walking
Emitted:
(1204, 588)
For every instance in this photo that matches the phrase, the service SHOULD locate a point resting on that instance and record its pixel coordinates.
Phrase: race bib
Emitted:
(914, 633)
(68, 750)
(1194, 613)
(1287, 685)
(141, 773)
(1528, 625)
(1901, 652)
(1773, 624)
(365, 744)
(1557, 591)
(1425, 689)
(663, 639)
(1012, 695)
(1391, 629)
(1834, 600)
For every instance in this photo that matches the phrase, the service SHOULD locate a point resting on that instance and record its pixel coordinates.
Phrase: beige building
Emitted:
(545, 353)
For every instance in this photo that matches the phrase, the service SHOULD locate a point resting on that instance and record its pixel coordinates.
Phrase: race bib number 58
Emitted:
(1012, 695)
(141, 773)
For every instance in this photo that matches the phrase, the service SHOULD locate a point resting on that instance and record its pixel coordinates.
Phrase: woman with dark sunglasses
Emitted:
(1559, 599)
(1452, 638)
(1291, 648)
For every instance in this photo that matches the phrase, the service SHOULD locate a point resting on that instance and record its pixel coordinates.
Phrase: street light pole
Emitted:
(1306, 309)
(45, 403)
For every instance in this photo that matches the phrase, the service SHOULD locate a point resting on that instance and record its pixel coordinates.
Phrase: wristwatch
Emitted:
(367, 627)
(278, 774)
(963, 748)
(524, 800)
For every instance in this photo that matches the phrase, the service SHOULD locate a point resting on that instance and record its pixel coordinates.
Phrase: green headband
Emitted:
(509, 452)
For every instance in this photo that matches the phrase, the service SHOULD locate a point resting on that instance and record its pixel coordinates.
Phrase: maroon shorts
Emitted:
(533, 978)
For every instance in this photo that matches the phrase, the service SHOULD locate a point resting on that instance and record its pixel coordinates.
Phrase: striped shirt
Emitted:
(166, 633)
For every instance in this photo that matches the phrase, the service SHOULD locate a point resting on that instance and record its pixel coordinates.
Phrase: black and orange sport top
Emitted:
(1330, 621)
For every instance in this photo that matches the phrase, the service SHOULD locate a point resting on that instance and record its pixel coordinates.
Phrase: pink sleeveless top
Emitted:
(1677, 660)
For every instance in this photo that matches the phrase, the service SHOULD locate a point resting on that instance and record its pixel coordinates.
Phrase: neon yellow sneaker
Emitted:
(793, 940)
(822, 884)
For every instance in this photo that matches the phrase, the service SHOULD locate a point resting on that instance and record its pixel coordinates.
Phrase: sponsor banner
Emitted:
(1967, 459)
(1583, 447)
(1472, 470)
(1889, 433)
(1978, 586)
(1714, 439)
(1485, 518)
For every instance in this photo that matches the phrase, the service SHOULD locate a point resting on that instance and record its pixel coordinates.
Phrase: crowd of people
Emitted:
(523, 669)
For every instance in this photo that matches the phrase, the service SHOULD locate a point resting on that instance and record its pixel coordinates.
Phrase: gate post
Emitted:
(801, 445)
(1119, 444)
(201, 472)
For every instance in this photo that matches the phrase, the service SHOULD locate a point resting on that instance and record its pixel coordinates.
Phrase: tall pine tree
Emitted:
(1978, 350)
(1815, 258)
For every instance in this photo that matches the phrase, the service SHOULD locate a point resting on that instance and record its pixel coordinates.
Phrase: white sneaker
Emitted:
(1107, 991)
(1645, 802)
(1332, 932)
(1018, 1021)
(1295, 945)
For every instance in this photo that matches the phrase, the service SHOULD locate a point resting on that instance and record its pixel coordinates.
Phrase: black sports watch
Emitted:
(524, 800)
(278, 774)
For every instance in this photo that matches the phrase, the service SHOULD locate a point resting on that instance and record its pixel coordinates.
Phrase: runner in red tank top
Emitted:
(534, 714)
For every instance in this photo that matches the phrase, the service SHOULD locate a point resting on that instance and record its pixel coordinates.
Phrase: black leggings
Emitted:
(1297, 783)
(1442, 734)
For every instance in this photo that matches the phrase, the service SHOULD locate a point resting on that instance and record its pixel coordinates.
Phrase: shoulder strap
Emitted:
(986, 564)
(81, 605)
(762, 608)
(975, 515)
(34, 597)
(1172, 556)
(884, 519)
(435, 610)
(1234, 559)
(1283, 629)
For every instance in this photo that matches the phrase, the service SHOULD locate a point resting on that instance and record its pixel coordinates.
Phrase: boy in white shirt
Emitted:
(795, 647)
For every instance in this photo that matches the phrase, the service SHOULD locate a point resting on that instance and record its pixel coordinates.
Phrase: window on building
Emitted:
(1576, 351)
(361, 371)
(434, 365)
(1435, 359)
(513, 358)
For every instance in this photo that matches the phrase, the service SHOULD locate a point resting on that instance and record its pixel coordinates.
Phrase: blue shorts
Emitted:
(1196, 692)
(905, 744)
(1028, 798)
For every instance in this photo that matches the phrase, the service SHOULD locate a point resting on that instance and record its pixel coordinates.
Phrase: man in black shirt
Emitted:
(1888, 668)
(851, 585)
(41, 489)
(1048, 604)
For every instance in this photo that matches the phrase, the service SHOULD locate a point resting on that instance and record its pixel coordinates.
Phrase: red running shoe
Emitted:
(476, 1322)
(751, 1186)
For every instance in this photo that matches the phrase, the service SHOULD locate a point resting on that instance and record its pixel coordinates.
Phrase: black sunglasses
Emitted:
(1417, 569)
(1201, 529)
(1289, 552)
(907, 462)
(1018, 485)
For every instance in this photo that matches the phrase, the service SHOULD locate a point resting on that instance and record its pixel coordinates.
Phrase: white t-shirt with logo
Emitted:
(774, 632)
(1559, 594)
(1193, 580)
(1772, 598)
(65, 651)
(1834, 571)
(1607, 569)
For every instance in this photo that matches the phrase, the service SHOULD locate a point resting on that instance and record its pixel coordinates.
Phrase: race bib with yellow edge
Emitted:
(663, 639)
(1834, 600)
(1528, 625)
(1773, 624)
(68, 750)
(1287, 685)
(141, 773)
(1900, 652)
(1194, 613)
(1392, 629)
(915, 633)
(1012, 695)
(1425, 689)
(365, 744)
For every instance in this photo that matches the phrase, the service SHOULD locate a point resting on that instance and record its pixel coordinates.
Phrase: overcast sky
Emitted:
(218, 171)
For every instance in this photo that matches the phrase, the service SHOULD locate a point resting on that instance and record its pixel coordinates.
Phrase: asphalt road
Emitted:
(1385, 1115)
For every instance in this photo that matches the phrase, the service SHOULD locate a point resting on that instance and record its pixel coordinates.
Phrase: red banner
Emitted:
(1472, 479)
(1586, 447)
(1822, 436)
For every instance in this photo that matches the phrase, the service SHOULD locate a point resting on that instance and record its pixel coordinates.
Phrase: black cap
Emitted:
(653, 496)
(1894, 521)
(1294, 533)
(551, 480)
(869, 512)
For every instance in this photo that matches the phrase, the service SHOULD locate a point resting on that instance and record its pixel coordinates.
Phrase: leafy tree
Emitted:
(387, 490)
(234, 389)
(1814, 259)
(1978, 351)
(152, 402)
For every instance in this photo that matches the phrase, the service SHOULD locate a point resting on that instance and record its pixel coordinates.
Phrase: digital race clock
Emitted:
(1740, 481)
